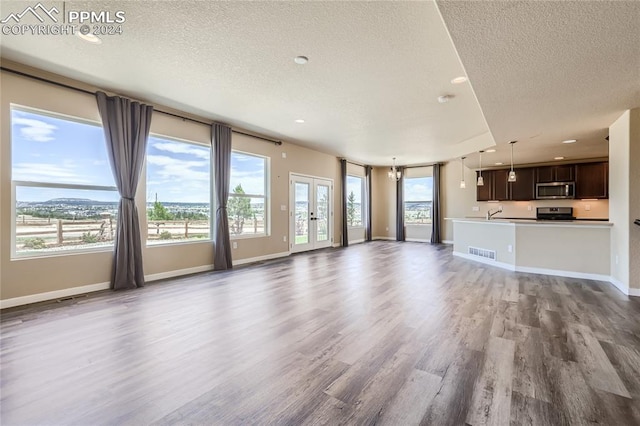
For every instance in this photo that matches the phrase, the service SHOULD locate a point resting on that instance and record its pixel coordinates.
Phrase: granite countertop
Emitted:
(533, 221)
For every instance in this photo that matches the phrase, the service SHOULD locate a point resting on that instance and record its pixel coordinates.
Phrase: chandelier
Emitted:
(394, 173)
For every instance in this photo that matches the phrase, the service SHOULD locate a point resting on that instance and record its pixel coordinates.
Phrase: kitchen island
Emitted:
(576, 248)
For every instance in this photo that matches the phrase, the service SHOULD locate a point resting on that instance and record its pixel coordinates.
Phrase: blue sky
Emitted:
(55, 150)
(418, 189)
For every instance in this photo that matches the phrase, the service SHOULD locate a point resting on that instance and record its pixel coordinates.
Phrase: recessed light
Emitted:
(570, 141)
(558, 158)
(300, 60)
(490, 150)
(499, 164)
(459, 80)
(299, 120)
(91, 38)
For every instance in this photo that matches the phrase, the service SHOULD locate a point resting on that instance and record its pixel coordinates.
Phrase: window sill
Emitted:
(247, 236)
(166, 243)
(59, 253)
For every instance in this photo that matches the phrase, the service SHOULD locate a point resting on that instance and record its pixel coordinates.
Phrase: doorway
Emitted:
(310, 213)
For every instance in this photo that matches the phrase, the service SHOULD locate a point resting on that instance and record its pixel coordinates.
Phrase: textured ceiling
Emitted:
(542, 71)
(546, 71)
(369, 91)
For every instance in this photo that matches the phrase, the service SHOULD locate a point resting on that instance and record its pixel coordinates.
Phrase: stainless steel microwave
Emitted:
(555, 190)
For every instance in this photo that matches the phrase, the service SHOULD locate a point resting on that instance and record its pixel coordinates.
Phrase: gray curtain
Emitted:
(367, 193)
(126, 129)
(221, 160)
(400, 206)
(343, 174)
(436, 236)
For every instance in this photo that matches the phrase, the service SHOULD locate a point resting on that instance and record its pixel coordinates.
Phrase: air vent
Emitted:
(480, 252)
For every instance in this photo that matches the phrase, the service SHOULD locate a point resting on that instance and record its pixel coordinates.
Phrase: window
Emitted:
(247, 206)
(354, 200)
(65, 194)
(178, 191)
(418, 193)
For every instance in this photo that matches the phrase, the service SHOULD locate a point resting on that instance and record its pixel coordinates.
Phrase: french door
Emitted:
(310, 213)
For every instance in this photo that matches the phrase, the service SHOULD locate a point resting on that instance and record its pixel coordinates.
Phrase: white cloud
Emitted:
(183, 148)
(45, 172)
(35, 130)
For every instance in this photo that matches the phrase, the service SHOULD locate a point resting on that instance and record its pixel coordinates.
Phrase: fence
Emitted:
(42, 233)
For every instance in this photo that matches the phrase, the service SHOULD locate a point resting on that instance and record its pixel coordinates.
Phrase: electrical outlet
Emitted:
(284, 238)
(387, 228)
(283, 207)
(617, 260)
(475, 208)
(529, 207)
(510, 248)
(284, 155)
(235, 245)
(587, 207)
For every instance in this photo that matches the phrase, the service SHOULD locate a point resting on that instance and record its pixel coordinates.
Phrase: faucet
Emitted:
(490, 214)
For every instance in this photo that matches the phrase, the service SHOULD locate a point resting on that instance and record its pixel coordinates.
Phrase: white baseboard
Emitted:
(261, 258)
(619, 285)
(554, 272)
(51, 295)
(502, 265)
(560, 273)
(336, 245)
(447, 242)
(177, 273)
(418, 240)
(385, 238)
(361, 240)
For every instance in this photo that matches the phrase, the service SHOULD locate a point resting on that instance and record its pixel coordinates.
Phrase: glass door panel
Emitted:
(302, 210)
(322, 209)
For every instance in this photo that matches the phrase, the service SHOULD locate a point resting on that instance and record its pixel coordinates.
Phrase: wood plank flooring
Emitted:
(377, 333)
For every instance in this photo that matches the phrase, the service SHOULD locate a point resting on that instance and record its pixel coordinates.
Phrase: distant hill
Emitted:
(71, 201)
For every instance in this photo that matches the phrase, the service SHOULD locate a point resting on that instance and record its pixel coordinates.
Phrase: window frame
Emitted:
(362, 216)
(266, 196)
(404, 203)
(15, 255)
(166, 243)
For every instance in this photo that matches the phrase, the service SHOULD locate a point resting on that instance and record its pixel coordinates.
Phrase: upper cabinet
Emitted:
(562, 173)
(524, 188)
(592, 180)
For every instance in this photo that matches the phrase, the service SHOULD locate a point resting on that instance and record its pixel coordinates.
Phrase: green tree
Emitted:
(351, 209)
(238, 209)
(159, 212)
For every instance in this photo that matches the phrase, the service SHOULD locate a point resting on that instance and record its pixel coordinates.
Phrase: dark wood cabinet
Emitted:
(495, 186)
(500, 187)
(485, 192)
(562, 173)
(592, 180)
(523, 189)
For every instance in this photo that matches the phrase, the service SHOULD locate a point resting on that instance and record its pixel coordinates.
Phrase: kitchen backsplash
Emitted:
(593, 209)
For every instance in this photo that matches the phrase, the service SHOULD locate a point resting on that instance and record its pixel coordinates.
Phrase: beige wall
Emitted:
(619, 197)
(383, 204)
(580, 248)
(23, 277)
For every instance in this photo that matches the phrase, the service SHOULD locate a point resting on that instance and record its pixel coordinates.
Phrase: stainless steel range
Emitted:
(555, 213)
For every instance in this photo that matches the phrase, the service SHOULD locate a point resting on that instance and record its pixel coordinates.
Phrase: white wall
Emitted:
(619, 139)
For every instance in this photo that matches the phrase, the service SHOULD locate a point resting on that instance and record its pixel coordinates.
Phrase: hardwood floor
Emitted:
(377, 333)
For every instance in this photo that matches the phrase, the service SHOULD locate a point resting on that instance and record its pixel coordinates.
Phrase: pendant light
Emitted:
(480, 178)
(394, 173)
(462, 184)
(512, 174)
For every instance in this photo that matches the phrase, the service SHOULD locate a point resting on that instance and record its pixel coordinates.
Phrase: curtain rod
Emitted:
(88, 92)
